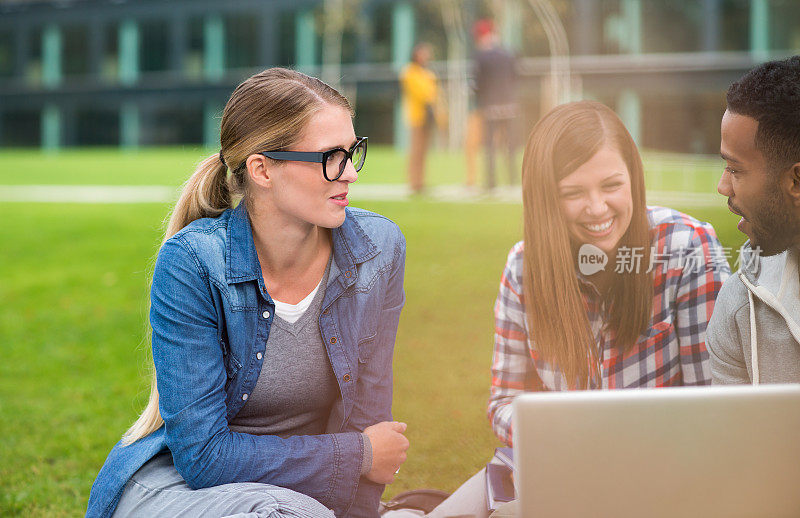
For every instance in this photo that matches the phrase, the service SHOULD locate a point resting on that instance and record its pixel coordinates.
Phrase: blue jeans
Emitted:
(157, 489)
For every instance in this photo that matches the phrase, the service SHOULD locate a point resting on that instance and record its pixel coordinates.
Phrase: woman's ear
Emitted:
(259, 169)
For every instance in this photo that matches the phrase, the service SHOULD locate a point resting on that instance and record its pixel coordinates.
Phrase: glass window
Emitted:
(110, 64)
(6, 54)
(241, 41)
(584, 26)
(380, 47)
(153, 46)
(194, 51)
(20, 128)
(687, 122)
(97, 127)
(75, 50)
(430, 28)
(534, 38)
(671, 26)
(735, 20)
(173, 124)
(784, 24)
(286, 39)
(374, 108)
(350, 42)
(33, 68)
(613, 28)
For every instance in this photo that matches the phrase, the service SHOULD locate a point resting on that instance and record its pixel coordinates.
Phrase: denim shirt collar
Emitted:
(351, 246)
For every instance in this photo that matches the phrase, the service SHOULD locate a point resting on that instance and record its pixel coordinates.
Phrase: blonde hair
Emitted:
(268, 111)
(564, 139)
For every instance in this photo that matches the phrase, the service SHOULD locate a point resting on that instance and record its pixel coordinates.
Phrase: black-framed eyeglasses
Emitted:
(333, 161)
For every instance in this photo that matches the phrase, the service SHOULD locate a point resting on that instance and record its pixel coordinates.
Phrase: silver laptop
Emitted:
(673, 452)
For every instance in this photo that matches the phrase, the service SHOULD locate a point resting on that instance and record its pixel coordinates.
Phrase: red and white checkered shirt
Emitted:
(689, 266)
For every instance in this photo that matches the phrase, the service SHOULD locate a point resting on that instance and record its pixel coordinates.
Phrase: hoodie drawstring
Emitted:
(753, 339)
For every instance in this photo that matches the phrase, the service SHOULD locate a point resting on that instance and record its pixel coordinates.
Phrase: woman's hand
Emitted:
(389, 447)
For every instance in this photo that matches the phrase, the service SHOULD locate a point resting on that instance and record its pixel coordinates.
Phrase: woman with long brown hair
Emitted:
(604, 291)
(274, 309)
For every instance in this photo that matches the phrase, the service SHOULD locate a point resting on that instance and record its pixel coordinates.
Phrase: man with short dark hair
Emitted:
(754, 334)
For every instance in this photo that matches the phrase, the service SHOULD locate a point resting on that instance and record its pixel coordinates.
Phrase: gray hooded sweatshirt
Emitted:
(754, 333)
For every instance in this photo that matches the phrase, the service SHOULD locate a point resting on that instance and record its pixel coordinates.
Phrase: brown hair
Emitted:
(268, 111)
(564, 139)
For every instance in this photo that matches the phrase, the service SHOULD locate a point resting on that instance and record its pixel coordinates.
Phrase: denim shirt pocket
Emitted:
(232, 364)
(366, 346)
(367, 331)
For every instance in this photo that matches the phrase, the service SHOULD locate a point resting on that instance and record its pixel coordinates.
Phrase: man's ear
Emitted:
(259, 169)
(793, 184)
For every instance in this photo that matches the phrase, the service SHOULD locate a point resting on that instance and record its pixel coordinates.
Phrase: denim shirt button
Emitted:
(244, 397)
(259, 356)
(265, 314)
(346, 378)
(333, 340)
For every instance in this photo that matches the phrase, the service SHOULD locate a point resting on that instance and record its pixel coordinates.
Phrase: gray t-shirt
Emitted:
(296, 386)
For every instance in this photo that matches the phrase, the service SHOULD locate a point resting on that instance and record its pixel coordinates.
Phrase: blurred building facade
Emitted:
(147, 72)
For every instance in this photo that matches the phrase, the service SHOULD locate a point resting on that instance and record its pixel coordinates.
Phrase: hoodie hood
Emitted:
(774, 281)
(750, 262)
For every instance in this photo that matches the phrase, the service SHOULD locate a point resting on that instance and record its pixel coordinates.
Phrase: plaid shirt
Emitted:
(689, 266)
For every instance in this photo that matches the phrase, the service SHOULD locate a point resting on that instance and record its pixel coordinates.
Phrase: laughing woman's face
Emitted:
(596, 200)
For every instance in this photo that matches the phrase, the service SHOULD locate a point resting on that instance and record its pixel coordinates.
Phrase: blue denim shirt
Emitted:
(211, 315)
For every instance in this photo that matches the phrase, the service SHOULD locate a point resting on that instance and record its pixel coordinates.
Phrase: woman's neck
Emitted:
(293, 254)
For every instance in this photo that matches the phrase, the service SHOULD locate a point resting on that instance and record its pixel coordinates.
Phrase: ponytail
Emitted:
(149, 420)
(206, 194)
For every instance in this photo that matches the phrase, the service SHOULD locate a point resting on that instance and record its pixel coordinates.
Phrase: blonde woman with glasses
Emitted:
(274, 309)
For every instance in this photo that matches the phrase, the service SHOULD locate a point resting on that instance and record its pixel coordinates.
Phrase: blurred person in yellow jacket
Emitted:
(420, 90)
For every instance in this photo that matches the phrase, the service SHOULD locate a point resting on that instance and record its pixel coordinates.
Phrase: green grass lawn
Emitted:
(171, 166)
(75, 363)
(74, 373)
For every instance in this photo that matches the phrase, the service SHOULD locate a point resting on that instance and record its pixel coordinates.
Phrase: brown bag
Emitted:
(424, 500)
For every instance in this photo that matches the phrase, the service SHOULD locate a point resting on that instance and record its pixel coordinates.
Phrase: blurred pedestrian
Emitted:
(495, 74)
(472, 145)
(420, 91)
